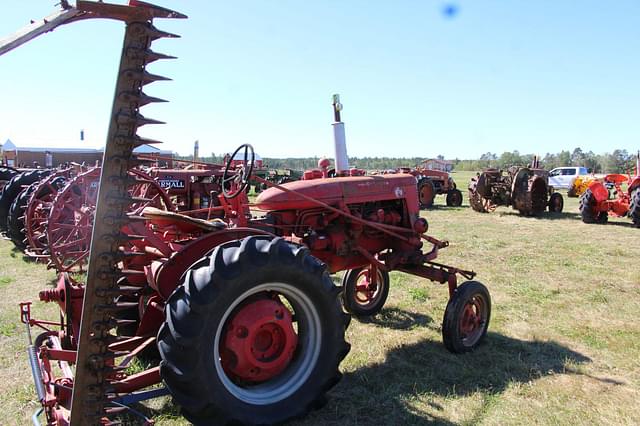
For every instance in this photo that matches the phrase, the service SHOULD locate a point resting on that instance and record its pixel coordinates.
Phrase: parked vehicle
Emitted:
(563, 177)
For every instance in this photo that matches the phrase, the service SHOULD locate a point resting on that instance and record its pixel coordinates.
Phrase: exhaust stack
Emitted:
(339, 141)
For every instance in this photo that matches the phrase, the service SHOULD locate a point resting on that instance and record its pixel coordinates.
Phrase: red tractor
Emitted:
(598, 200)
(436, 182)
(248, 325)
(430, 183)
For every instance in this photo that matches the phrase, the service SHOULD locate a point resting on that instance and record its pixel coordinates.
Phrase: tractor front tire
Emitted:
(426, 193)
(556, 203)
(454, 198)
(253, 335)
(634, 207)
(466, 318)
(360, 300)
(588, 209)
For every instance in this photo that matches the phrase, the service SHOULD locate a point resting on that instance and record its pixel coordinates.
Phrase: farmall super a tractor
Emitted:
(598, 201)
(525, 189)
(242, 312)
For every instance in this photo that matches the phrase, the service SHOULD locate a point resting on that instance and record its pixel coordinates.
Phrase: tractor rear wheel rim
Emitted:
(472, 320)
(294, 373)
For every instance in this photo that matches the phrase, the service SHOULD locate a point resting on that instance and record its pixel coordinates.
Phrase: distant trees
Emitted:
(618, 161)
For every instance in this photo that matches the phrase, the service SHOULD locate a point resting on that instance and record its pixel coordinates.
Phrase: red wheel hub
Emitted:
(259, 341)
(471, 317)
(365, 287)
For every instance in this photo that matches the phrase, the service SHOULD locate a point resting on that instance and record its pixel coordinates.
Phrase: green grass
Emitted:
(563, 346)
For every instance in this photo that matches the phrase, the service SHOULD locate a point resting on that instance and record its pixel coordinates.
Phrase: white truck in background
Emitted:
(563, 177)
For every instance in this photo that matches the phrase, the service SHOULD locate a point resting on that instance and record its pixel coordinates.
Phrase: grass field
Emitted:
(563, 345)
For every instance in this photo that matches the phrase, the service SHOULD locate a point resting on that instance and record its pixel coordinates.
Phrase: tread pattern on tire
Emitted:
(587, 204)
(193, 312)
(12, 189)
(634, 207)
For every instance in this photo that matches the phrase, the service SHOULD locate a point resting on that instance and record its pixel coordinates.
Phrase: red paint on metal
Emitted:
(259, 341)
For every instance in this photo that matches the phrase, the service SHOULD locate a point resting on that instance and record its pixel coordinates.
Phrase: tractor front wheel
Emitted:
(454, 198)
(634, 208)
(360, 295)
(556, 203)
(588, 209)
(466, 318)
(254, 334)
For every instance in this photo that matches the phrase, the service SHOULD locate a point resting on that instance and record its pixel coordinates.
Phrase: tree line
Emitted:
(617, 161)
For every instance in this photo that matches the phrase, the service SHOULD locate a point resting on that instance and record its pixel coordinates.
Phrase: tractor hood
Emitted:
(333, 191)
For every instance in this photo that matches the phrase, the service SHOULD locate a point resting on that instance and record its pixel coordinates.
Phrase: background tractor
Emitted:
(248, 325)
(525, 189)
(618, 195)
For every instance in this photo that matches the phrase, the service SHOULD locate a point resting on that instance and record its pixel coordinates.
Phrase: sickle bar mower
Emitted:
(242, 312)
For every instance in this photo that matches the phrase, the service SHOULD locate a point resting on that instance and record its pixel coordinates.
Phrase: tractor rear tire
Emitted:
(466, 318)
(556, 203)
(12, 189)
(7, 173)
(15, 218)
(634, 207)
(199, 340)
(587, 209)
(426, 193)
(359, 303)
(454, 198)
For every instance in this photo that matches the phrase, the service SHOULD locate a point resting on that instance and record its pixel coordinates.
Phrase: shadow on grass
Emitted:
(401, 390)
(397, 319)
(392, 392)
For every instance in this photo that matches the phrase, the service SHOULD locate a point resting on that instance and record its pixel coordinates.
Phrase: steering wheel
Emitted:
(234, 183)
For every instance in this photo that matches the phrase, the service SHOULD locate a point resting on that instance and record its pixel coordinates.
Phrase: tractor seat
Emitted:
(183, 222)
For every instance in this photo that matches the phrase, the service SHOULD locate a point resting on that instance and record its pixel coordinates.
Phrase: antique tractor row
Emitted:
(602, 198)
(241, 311)
(525, 189)
(49, 214)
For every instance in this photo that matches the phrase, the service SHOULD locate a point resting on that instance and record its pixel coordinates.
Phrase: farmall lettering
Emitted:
(170, 183)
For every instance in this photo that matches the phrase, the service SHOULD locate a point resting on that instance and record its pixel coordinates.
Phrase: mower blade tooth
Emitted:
(148, 78)
(141, 120)
(139, 99)
(146, 55)
(151, 56)
(155, 33)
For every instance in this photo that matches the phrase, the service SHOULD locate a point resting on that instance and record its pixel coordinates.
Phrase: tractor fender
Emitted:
(599, 191)
(634, 184)
(167, 276)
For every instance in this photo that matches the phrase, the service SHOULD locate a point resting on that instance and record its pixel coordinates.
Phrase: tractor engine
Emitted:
(388, 201)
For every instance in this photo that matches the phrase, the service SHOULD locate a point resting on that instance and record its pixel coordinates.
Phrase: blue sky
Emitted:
(533, 76)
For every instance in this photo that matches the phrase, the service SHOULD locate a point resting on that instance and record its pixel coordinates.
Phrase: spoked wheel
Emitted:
(361, 295)
(454, 198)
(38, 209)
(71, 222)
(147, 192)
(254, 335)
(466, 318)
(426, 193)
